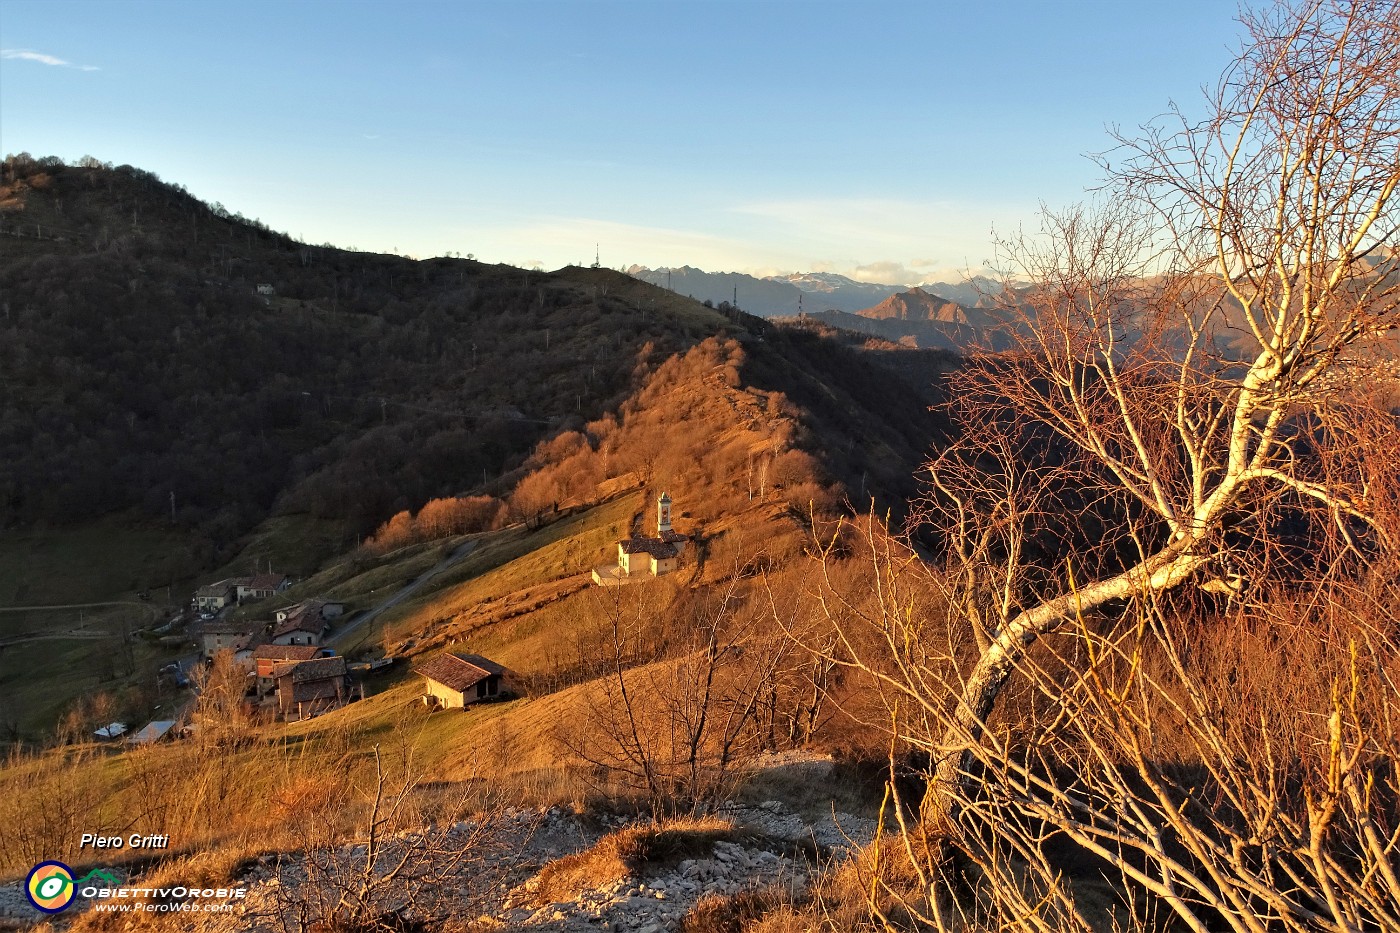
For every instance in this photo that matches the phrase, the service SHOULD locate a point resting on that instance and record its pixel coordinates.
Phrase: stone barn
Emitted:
(455, 681)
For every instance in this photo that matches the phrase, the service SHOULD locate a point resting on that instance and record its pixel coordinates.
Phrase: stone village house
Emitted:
(455, 681)
(307, 688)
(305, 623)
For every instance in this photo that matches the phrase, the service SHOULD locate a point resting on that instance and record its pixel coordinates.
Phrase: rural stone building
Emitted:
(268, 658)
(305, 623)
(454, 681)
(305, 688)
(215, 635)
(259, 586)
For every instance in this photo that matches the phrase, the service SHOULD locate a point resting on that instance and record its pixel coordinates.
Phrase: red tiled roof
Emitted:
(459, 671)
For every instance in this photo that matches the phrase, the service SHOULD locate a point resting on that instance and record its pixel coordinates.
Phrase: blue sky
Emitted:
(879, 140)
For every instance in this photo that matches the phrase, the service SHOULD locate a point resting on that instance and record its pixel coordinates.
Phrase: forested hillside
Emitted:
(141, 367)
(146, 370)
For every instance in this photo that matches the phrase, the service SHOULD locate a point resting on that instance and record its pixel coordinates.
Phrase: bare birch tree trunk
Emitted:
(1188, 351)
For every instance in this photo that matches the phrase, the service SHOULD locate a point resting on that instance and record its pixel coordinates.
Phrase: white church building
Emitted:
(640, 555)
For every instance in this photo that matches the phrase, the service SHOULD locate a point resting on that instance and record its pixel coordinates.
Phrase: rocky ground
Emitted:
(484, 875)
(496, 885)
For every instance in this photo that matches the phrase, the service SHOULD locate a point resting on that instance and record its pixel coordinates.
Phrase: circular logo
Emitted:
(50, 886)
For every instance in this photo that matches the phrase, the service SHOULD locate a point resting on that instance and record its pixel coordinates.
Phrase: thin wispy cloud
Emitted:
(29, 55)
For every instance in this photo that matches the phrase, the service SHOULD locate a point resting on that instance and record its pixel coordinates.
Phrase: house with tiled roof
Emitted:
(644, 554)
(267, 658)
(259, 586)
(307, 688)
(305, 623)
(214, 596)
(455, 681)
(215, 635)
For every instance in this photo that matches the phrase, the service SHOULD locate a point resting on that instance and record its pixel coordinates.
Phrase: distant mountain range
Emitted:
(763, 297)
(786, 295)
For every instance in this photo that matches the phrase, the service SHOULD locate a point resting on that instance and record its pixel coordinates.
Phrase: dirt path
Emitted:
(462, 550)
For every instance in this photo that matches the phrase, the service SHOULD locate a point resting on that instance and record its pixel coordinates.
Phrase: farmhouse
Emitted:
(215, 596)
(268, 658)
(259, 586)
(642, 554)
(454, 681)
(215, 635)
(305, 623)
(306, 688)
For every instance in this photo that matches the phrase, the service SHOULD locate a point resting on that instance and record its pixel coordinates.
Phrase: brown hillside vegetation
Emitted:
(1140, 674)
(745, 490)
(743, 494)
(694, 429)
(141, 362)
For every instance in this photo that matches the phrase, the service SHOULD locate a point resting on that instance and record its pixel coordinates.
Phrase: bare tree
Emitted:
(682, 714)
(221, 708)
(1152, 772)
(1181, 406)
(1197, 819)
(1179, 379)
(416, 845)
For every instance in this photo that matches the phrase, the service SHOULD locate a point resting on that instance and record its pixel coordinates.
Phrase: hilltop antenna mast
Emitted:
(596, 254)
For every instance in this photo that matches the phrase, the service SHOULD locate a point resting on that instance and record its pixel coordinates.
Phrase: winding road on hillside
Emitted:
(461, 551)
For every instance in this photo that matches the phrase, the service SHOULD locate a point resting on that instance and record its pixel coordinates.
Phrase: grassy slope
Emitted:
(719, 446)
(295, 544)
(105, 561)
(510, 565)
(339, 743)
(473, 607)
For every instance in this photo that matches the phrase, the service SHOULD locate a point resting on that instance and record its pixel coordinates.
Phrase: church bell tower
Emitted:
(663, 516)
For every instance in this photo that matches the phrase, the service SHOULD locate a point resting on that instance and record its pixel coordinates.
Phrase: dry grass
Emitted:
(627, 852)
(513, 560)
(746, 911)
(852, 894)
